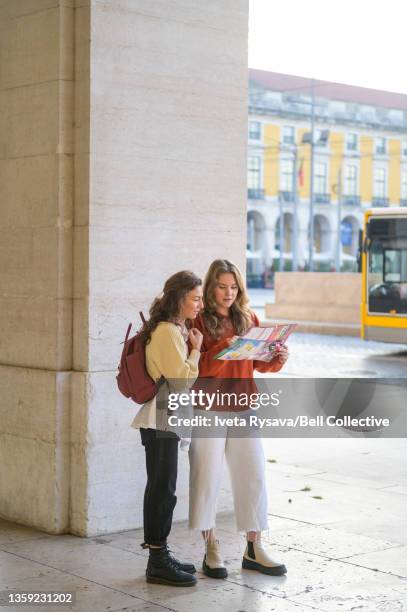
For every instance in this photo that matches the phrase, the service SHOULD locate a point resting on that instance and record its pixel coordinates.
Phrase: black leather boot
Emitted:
(163, 569)
(185, 567)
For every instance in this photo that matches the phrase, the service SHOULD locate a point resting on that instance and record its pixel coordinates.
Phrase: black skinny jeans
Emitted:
(159, 497)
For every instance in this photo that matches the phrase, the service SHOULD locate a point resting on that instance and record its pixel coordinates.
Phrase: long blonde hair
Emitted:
(239, 311)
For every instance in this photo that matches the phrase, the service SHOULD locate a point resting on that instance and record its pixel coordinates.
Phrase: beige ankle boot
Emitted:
(257, 558)
(213, 565)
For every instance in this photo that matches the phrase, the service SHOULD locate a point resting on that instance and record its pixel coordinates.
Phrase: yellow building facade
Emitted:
(337, 159)
(356, 150)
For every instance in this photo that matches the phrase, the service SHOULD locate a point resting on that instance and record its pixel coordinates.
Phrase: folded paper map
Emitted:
(260, 343)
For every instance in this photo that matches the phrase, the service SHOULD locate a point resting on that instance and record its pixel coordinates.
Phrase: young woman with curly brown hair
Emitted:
(165, 336)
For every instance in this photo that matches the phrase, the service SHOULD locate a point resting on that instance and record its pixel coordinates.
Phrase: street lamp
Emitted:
(309, 138)
(338, 190)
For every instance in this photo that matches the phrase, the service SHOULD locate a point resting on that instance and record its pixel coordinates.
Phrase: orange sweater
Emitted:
(210, 367)
(228, 371)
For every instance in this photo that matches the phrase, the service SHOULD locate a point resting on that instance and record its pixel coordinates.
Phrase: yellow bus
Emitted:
(384, 275)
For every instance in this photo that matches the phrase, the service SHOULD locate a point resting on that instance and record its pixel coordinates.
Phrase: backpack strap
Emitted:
(142, 317)
(126, 338)
(128, 332)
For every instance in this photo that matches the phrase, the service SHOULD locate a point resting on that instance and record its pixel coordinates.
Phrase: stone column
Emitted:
(124, 160)
(36, 170)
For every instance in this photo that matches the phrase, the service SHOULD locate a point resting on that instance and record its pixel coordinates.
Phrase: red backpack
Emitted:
(133, 379)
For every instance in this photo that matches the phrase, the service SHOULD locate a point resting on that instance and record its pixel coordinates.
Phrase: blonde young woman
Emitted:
(165, 337)
(226, 314)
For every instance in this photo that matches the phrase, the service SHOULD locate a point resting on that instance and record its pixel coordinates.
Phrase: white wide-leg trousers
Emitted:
(246, 463)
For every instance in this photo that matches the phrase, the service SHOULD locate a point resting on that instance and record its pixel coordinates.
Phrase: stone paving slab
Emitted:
(369, 473)
(399, 489)
(287, 499)
(183, 543)
(363, 594)
(393, 560)
(11, 532)
(345, 496)
(99, 561)
(346, 551)
(356, 481)
(19, 573)
(280, 523)
(142, 607)
(324, 578)
(124, 571)
(14, 568)
(341, 460)
(383, 525)
(331, 543)
(229, 596)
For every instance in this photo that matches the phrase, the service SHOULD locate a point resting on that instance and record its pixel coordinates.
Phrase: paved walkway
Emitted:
(338, 521)
(317, 355)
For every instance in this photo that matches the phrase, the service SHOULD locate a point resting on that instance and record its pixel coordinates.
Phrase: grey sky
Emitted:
(359, 42)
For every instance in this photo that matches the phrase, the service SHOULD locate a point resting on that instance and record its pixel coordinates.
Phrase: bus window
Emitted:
(376, 258)
(395, 266)
(387, 273)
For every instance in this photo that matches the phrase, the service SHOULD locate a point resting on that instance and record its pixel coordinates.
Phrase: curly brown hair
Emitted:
(240, 313)
(166, 307)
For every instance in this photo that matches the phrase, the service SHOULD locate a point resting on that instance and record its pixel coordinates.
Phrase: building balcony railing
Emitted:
(403, 201)
(351, 200)
(376, 201)
(322, 198)
(255, 194)
(286, 196)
